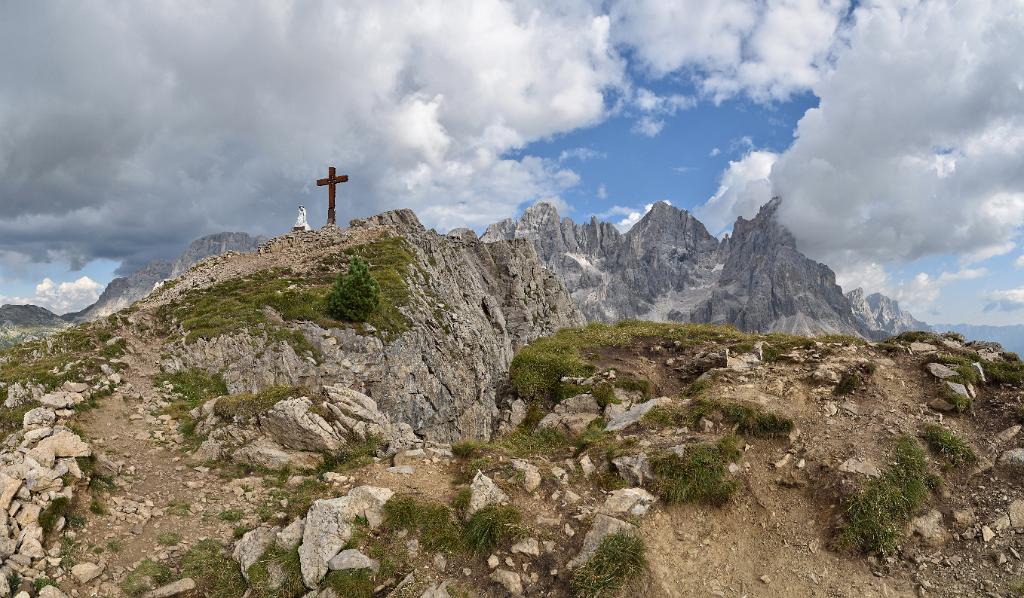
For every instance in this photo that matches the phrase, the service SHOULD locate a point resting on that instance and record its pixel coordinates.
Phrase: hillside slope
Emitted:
(225, 437)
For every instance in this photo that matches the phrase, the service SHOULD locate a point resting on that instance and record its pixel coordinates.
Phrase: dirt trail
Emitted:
(162, 503)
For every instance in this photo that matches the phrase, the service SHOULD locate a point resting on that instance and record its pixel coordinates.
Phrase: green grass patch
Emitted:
(391, 262)
(538, 368)
(1004, 372)
(493, 526)
(147, 576)
(58, 507)
(357, 583)
(957, 400)
(232, 515)
(436, 524)
(169, 538)
(191, 388)
(966, 372)
(948, 445)
(276, 564)
(216, 574)
(848, 384)
(700, 475)
(750, 420)
(70, 355)
(876, 516)
(618, 560)
(357, 453)
(247, 405)
(239, 304)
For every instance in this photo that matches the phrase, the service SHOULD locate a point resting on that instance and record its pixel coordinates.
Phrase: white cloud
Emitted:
(630, 215)
(155, 124)
(61, 297)
(582, 154)
(602, 191)
(924, 289)
(743, 188)
(897, 163)
(714, 152)
(1020, 261)
(1005, 300)
(871, 277)
(654, 109)
(767, 50)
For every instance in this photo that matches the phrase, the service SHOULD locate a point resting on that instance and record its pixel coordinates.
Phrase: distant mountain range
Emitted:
(122, 292)
(19, 323)
(669, 267)
(666, 267)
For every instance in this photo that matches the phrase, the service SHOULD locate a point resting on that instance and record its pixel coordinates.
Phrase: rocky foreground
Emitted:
(226, 438)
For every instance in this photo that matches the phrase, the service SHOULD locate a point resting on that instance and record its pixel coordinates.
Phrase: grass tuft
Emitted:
(876, 516)
(216, 574)
(948, 445)
(492, 526)
(700, 475)
(280, 566)
(619, 559)
(435, 523)
(58, 508)
(248, 406)
(147, 576)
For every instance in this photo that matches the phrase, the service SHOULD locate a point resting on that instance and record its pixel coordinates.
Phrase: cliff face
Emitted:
(668, 267)
(467, 306)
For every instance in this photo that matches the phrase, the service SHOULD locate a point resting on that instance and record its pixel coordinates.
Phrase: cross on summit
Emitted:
(332, 181)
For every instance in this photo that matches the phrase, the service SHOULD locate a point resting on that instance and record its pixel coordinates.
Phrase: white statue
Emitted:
(300, 222)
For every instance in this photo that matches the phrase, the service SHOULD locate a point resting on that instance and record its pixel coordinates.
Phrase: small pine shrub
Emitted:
(355, 294)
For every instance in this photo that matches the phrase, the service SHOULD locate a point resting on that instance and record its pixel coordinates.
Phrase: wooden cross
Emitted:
(331, 182)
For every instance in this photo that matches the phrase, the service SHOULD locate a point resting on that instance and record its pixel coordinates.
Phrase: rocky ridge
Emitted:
(121, 292)
(669, 268)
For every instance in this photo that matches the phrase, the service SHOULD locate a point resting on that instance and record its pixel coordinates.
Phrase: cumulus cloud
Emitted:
(136, 127)
(1020, 261)
(654, 109)
(743, 188)
(1005, 300)
(625, 217)
(766, 50)
(897, 163)
(923, 289)
(61, 297)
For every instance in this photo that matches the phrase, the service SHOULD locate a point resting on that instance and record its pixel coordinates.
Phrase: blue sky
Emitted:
(148, 131)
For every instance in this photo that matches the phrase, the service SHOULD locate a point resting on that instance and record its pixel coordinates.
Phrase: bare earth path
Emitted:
(161, 502)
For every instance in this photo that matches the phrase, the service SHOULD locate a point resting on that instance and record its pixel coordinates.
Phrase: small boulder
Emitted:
(635, 414)
(929, 527)
(922, 348)
(40, 417)
(65, 444)
(629, 501)
(959, 389)
(861, 466)
(602, 527)
(1017, 514)
(177, 588)
(484, 493)
(531, 475)
(51, 592)
(1012, 458)
(352, 559)
(529, 547)
(634, 469)
(86, 572)
(61, 399)
(509, 580)
(252, 545)
(941, 371)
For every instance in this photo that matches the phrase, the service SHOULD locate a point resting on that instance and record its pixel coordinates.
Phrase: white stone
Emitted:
(484, 493)
(86, 572)
(352, 559)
